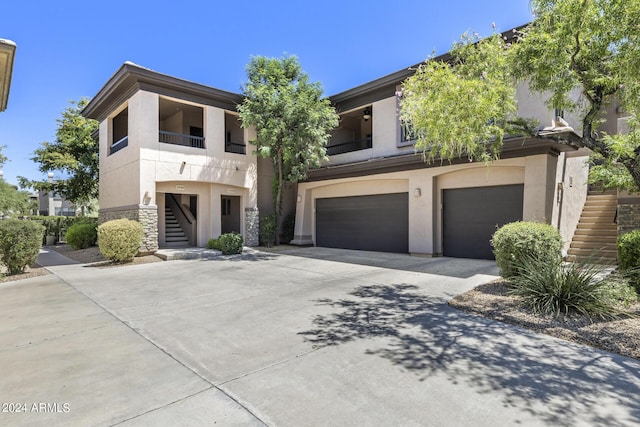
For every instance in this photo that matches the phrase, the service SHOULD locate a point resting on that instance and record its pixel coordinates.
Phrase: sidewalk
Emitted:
(50, 258)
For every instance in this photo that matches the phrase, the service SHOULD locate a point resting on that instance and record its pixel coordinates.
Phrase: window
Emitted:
(226, 206)
(119, 131)
(408, 135)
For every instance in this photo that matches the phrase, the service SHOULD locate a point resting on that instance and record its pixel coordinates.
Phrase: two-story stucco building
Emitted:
(174, 157)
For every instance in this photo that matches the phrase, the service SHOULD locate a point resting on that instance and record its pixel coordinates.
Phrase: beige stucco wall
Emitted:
(537, 173)
(532, 105)
(120, 171)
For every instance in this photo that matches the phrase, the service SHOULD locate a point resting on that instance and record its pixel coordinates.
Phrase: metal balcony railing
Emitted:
(235, 147)
(346, 147)
(119, 145)
(181, 139)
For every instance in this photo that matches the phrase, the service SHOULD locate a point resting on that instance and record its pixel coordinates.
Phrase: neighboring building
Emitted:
(7, 55)
(173, 156)
(50, 203)
(53, 204)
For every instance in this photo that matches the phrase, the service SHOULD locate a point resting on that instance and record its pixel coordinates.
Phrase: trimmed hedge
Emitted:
(629, 257)
(230, 243)
(20, 243)
(213, 244)
(81, 235)
(518, 241)
(119, 240)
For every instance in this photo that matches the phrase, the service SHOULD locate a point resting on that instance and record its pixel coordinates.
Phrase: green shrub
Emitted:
(119, 240)
(82, 235)
(20, 242)
(213, 244)
(629, 257)
(53, 225)
(519, 240)
(268, 230)
(560, 289)
(230, 243)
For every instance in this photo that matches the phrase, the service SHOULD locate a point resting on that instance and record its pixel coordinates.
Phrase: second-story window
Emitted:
(354, 133)
(408, 135)
(181, 124)
(119, 131)
(233, 135)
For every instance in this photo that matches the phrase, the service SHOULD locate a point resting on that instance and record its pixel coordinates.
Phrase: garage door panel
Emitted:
(374, 222)
(472, 215)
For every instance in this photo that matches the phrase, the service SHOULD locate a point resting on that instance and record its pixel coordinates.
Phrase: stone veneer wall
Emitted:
(147, 215)
(628, 214)
(252, 227)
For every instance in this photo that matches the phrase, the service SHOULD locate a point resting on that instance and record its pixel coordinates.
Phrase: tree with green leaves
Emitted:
(3, 158)
(75, 153)
(465, 106)
(12, 200)
(291, 118)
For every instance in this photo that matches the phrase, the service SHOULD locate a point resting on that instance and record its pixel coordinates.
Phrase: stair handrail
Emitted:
(185, 218)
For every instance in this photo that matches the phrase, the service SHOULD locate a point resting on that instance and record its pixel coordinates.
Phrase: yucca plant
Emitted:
(562, 289)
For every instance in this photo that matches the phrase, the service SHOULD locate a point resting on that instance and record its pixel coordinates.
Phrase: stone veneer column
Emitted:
(251, 227)
(147, 215)
(628, 214)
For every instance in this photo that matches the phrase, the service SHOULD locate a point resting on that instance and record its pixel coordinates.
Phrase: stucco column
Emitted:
(303, 233)
(539, 187)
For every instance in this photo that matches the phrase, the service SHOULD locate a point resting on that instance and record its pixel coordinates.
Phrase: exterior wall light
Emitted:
(417, 192)
(299, 198)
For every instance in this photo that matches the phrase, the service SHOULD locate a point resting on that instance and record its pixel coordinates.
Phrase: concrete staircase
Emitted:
(596, 233)
(174, 235)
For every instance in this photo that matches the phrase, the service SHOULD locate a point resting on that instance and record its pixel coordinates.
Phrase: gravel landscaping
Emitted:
(492, 300)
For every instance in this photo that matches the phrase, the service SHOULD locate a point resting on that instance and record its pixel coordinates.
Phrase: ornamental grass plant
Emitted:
(563, 289)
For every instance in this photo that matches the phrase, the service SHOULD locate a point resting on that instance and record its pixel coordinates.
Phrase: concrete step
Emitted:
(176, 234)
(607, 253)
(593, 245)
(176, 245)
(584, 243)
(602, 232)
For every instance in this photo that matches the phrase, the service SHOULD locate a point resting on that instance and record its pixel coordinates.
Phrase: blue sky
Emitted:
(67, 50)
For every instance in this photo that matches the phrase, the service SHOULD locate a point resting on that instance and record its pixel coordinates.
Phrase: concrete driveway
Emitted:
(304, 337)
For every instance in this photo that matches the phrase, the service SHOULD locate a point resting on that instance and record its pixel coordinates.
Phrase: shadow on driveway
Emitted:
(428, 337)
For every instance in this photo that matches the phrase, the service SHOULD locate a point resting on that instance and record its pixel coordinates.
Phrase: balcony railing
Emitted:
(346, 147)
(181, 139)
(235, 147)
(119, 145)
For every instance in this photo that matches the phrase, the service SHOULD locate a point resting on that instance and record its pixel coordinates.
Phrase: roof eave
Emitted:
(7, 58)
(131, 77)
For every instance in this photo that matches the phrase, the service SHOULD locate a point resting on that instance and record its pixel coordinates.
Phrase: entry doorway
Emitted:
(230, 214)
